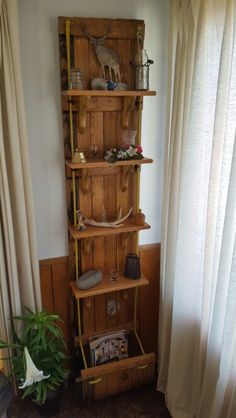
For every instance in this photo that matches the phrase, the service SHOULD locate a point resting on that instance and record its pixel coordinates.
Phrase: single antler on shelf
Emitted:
(114, 224)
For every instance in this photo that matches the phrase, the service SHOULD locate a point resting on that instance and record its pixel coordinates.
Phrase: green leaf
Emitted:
(28, 391)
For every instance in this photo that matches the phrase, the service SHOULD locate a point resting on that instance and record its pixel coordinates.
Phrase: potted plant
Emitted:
(37, 357)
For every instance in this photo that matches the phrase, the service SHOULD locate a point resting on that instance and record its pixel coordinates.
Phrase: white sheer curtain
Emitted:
(19, 272)
(197, 337)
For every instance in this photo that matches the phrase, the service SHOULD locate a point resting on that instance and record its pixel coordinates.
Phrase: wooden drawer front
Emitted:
(110, 379)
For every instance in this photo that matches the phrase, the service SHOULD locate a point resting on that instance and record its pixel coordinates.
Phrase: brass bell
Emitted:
(78, 157)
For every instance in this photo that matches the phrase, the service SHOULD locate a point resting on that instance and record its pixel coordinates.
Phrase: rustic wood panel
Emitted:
(54, 291)
(121, 28)
(149, 296)
(81, 59)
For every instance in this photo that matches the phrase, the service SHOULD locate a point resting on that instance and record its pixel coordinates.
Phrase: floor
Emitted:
(142, 402)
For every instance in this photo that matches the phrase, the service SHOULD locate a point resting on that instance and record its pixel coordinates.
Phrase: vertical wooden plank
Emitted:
(85, 205)
(100, 389)
(99, 246)
(149, 296)
(99, 263)
(96, 120)
(125, 380)
(112, 384)
(63, 62)
(83, 139)
(133, 49)
(119, 137)
(62, 298)
(145, 375)
(110, 130)
(123, 45)
(110, 195)
(123, 301)
(46, 288)
(87, 264)
(81, 59)
(88, 326)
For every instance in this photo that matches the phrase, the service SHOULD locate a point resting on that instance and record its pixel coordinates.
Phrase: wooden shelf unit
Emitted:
(99, 188)
(106, 286)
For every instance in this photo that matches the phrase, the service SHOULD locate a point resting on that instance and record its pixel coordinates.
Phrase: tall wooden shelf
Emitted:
(99, 188)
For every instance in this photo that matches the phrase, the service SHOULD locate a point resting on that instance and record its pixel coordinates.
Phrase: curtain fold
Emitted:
(19, 271)
(197, 328)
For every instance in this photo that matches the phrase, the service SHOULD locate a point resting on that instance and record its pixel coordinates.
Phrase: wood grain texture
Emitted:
(150, 257)
(99, 118)
(121, 28)
(54, 291)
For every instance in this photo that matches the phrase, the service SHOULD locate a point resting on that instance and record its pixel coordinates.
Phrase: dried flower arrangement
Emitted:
(125, 152)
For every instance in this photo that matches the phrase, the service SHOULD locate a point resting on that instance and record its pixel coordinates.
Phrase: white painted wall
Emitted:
(40, 67)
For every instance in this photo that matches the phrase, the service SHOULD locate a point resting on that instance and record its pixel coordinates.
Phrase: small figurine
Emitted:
(80, 220)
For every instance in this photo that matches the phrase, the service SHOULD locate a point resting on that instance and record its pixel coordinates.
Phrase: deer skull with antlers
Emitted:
(106, 57)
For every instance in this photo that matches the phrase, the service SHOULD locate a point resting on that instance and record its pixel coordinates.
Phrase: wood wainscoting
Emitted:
(56, 294)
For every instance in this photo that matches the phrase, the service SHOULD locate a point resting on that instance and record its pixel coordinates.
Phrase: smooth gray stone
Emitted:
(89, 279)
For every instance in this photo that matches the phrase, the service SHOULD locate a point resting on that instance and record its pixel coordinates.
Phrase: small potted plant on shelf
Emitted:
(37, 357)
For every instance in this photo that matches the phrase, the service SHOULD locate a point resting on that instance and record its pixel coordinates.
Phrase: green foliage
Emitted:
(44, 340)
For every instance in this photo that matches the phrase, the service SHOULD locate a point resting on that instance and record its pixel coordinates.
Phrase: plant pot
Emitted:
(52, 404)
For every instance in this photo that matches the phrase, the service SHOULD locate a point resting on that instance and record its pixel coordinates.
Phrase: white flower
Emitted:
(108, 155)
(121, 154)
(131, 151)
(33, 375)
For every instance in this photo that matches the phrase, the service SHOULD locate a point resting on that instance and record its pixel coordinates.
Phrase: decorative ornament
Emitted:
(126, 152)
(78, 157)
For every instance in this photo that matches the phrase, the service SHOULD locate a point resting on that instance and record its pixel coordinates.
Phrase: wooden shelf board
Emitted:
(107, 93)
(100, 163)
(106, 286)
(95, 231)
(118, 366)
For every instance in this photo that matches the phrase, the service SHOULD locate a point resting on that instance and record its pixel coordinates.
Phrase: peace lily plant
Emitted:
(37, 355)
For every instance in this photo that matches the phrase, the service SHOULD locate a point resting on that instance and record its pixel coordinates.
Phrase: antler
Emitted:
(95, 38)
(114, 224)
(85, 32)
(102, 38)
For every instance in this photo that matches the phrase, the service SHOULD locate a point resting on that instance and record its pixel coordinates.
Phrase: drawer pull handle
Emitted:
(144, 366)
(94, 382)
